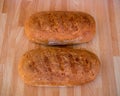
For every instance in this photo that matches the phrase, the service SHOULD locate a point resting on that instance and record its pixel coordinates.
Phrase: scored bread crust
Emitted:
(60, 27)
(58, 67)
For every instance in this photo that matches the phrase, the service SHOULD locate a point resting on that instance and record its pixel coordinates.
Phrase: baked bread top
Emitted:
(60, 27)
(58, 66)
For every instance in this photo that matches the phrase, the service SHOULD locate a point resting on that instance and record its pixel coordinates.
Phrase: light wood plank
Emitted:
(117, 72)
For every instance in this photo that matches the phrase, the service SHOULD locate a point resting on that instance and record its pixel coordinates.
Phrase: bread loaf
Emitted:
(60, 27)
(58, 66)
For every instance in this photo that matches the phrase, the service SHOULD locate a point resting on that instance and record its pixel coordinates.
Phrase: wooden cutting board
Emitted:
(106, 44)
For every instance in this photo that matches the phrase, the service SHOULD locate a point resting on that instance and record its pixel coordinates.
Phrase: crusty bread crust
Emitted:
(58, 66)
(60, 27)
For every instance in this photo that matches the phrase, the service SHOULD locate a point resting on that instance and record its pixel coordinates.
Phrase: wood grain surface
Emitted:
(106, 44)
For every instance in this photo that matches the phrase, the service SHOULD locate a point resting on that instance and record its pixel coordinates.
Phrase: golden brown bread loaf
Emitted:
(58, 66)
(60, 28)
